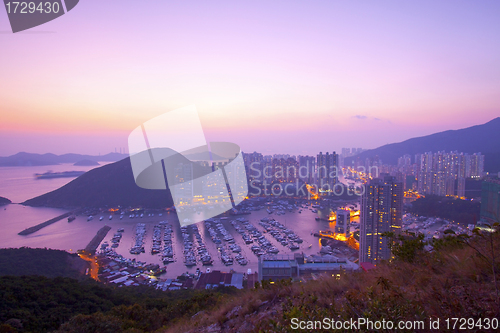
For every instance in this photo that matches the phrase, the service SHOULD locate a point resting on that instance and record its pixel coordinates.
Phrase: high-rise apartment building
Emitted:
(461, 187)
(254, 166)
(477, 165)
(381, 211)
(490, 200)
(342, 222)
(267, 168)
(307, 167)
(327, 170)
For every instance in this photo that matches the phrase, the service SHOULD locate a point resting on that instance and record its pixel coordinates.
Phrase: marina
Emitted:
(229, 242)
(239, 239)
(224, 243)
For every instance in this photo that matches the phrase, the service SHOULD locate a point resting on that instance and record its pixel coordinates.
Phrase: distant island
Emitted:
(28, 159)
(4, 201)
(86, 163)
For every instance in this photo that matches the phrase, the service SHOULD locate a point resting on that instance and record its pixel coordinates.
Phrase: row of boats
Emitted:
(167, 253)
(283, 235)
(115, 240)
(162, 234)
(205, 257)
(91, 217)
(192, 250)
(140, 234)
(249, 231)
(157, 233)
(220, 236)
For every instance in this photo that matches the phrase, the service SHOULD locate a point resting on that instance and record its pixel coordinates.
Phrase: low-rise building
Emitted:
(217, 279)
(278, 267)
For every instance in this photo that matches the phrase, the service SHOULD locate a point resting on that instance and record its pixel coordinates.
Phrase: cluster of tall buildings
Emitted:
(437, 173)
(440, 173)
(445, 173)
(322, 169)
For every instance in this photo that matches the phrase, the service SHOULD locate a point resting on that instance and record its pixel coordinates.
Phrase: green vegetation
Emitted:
(405, 247)
(449, 208)
(46, 262)
(42, 304)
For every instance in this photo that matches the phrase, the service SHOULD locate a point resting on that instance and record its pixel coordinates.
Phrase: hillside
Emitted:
(4, 201)
(455, 280)
(40, 304)
(111, 185)
(43, 262)
(483, 138)
(28, 159)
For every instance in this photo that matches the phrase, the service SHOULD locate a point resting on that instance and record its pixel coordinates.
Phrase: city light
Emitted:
(310, 189)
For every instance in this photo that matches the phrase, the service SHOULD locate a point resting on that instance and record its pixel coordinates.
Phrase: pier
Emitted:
(37, 227)
(94, 243)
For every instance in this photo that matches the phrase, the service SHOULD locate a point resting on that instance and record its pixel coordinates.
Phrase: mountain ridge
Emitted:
(32, 159)
(484, 138)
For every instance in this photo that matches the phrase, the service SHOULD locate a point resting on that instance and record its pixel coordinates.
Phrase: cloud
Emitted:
(362, 117)
(359, 117)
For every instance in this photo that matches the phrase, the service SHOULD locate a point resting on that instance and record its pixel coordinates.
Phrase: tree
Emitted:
(405, 247)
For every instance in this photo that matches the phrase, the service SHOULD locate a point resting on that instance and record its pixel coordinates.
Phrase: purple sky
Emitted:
(273, 76)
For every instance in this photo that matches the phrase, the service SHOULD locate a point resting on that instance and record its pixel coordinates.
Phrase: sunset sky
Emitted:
(293, 77)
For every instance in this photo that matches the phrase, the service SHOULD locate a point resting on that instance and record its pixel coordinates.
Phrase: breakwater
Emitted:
(94, 243)
(37, 227)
